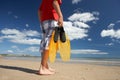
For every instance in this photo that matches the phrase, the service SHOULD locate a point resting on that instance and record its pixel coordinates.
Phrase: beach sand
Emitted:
(26, 70)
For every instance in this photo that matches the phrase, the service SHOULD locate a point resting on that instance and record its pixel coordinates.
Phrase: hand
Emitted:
(60, 21)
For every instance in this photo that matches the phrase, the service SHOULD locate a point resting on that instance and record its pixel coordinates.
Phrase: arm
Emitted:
(58, 10)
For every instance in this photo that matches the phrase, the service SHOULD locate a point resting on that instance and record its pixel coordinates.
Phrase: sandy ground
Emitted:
(26, 70)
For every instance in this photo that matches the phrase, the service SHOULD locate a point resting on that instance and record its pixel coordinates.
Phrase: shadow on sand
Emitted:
(19, 69)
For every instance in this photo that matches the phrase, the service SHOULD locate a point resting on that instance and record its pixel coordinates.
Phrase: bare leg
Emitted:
(45, 56)
(51, 69)
(44, 66)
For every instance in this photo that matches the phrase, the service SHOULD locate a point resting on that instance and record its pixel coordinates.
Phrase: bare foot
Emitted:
(51, 69)
(45, 71)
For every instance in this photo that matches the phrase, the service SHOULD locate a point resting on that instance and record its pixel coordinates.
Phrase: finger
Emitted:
(59, 24)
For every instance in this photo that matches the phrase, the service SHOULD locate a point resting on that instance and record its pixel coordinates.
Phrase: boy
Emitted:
(50, 16)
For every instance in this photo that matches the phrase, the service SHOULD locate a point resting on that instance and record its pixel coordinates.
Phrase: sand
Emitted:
(26, 70)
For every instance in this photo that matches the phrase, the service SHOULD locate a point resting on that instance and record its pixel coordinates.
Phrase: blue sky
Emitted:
(92, 26)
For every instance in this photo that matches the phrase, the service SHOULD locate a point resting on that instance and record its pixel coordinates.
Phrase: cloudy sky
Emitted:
(92, 26)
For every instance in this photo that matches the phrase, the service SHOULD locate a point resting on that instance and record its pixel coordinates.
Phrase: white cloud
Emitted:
(9, 51)
(111, 33)
(74, 32)
(83, 17)
(76, 1)
(24, 33)
(32, 49)
(109, 44)
(89, 39)
(80, 24)
(116, 40)
(21, 37)
(88, 51)
(26, 50)
(31, 33)
(111, 26)
(18, 50)
(14, 47)
(118, 21)
(27, 25)
(76, 27)
(95, 13)
(27, 41)
(7, 31)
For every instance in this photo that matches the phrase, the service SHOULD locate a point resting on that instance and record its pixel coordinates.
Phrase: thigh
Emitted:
(48, 27)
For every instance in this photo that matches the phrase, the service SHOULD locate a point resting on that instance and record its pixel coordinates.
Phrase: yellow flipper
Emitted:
(64, 49)
(53, 47)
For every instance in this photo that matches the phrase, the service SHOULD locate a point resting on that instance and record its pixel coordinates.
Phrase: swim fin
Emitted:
(63, 47)
(53, 47)
(56, 34)
(62, 34)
